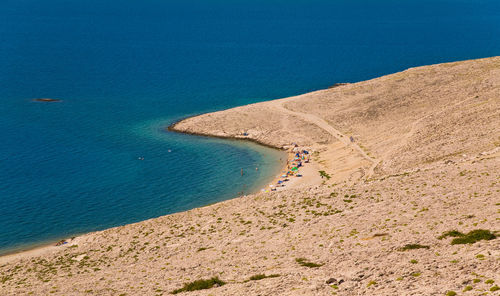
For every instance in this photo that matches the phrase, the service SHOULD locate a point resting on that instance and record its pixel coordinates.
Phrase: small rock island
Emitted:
(46, 100)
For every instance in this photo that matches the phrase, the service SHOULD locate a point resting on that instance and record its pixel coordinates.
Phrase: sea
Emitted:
(125, 70)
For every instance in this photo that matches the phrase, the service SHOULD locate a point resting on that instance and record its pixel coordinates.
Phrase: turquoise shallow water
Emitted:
(125, 70)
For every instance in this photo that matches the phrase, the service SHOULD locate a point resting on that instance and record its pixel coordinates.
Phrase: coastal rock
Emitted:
(338, 84)
(46, 100)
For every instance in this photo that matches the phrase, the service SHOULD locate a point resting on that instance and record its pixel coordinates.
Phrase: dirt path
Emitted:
(323, 124)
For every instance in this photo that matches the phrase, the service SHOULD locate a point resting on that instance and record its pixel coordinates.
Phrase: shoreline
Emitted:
(28, 252)
(286, 149)
(172, 128)
(44, 247)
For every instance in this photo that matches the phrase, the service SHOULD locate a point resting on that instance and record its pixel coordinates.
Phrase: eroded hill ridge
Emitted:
(412, 206)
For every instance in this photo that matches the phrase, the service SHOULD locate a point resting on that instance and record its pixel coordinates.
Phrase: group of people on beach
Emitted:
(296, 159)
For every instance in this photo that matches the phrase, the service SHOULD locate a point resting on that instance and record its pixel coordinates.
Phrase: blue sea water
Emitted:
(125, 70)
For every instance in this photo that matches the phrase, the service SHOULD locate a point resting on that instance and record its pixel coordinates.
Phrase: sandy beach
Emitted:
(401, 196)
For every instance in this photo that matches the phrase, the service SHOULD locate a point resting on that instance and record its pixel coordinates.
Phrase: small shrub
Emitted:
(467, 288)
(413, 247)
(304, 262)
(451, 293)
(371, 283)
(200, 285)
(5, 278)
(494, 288)
(413, 261)
(473, 237)
(259, 277)
(469, 238)
(452, 233)
(323, 174)
(489, 281)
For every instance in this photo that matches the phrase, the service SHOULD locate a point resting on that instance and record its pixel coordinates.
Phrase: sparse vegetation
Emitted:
(259, 277)
(451, 233)
(304, 262)
(200, 285)
(469, 238)
(323, 174)
(5, 278)
(413, 247)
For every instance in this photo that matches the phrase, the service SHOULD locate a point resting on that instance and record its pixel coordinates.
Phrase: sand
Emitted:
(425, 159)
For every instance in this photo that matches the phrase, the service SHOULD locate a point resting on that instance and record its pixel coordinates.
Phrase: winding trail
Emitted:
(323, 124)
(344, 139)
